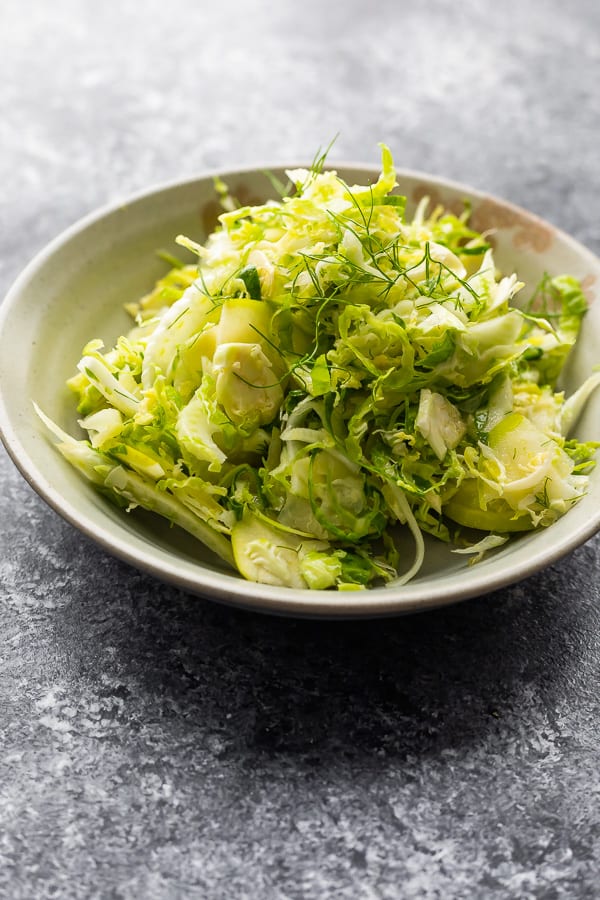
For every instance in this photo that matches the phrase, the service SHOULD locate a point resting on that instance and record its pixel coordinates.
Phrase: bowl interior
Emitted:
(75, 290)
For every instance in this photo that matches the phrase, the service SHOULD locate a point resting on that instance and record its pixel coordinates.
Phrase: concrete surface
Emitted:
(154, 745)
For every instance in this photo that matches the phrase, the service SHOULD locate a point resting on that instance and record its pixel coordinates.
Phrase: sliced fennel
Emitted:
(329, 374)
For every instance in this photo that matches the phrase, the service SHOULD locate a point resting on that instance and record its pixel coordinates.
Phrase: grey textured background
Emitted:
(154, 745)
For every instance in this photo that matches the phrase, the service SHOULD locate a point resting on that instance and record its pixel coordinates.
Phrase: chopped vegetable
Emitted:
(331, 379)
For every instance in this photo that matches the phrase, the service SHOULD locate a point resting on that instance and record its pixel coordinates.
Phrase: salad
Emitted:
(330, 377)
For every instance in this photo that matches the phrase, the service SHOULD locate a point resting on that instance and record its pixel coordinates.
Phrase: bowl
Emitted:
(75, 290)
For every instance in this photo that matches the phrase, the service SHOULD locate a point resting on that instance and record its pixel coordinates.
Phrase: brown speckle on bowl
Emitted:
(589, 287)
(533, 237)
(530, 234)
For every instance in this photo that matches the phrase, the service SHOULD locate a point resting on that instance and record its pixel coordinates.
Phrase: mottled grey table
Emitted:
(154, 745)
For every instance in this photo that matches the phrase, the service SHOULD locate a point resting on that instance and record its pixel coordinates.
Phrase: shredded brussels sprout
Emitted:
(329, 374)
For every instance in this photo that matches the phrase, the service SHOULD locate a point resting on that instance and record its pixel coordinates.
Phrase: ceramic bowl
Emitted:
(75, 290)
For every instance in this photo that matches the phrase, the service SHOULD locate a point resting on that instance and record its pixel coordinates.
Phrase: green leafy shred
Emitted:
(332, 378)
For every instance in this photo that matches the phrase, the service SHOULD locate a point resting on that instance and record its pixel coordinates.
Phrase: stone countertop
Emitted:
(155, 745)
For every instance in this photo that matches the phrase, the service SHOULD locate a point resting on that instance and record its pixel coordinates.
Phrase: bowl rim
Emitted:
(232, 589)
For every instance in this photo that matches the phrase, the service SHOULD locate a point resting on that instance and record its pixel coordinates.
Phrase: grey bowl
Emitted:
(75, 290)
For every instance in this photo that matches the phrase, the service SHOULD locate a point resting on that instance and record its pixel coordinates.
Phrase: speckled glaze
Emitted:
(154, 745)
